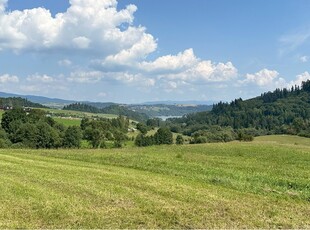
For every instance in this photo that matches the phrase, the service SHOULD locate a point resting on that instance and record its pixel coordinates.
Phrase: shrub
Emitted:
(4, 143)
(179, 140)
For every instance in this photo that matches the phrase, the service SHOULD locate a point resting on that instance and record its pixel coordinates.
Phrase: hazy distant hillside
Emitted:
(100, 105)
(151, 109)
(112, 109)
(18, 102)
(169, 110)
(50, 102)
(179, 102)
(55, 102)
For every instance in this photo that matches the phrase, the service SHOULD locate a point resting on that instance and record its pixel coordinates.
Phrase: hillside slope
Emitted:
(18, 102)
(157, 110)
(112, 109)
(279, 112)
(193, 186)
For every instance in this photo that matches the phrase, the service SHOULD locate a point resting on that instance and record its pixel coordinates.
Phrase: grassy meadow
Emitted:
(77, 114)
(264, 184)
(68, 121)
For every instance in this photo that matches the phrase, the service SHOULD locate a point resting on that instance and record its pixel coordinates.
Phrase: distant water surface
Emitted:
(167, 117)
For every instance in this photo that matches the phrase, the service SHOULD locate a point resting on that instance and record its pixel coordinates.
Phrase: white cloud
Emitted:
(299, 79)
(304, 59)
(184, 66)
(98, 27)
(181, 61)
(292, 41)
(40, 78)
(148, 82)
(264, 77)
(130, 79)
(270, 79)
(6, 78)
(102, 94)
(81, 42)
(65, 62)
(125, 78)
(3, 4)
(208, 71)
(85, 77)
(205, 72)
(138, 51)
(91, 25)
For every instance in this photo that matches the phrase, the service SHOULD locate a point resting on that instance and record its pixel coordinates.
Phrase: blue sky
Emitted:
(133, 51)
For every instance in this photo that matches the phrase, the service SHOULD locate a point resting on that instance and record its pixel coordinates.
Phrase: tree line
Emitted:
(283, 111)
(34, 129)
(21, 128)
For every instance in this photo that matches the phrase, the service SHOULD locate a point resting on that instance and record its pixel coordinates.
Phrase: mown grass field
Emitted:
(264, 184)
(77, 114)
(68, 121)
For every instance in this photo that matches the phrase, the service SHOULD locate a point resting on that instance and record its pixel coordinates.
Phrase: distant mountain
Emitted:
(39, 99)
(55, 102)
(9, 102)
(151, 109)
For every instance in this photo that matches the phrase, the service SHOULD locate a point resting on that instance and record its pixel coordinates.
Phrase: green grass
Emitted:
(68, 121)
(78, 114)
(234, 185)
(1, 113)
(284, 139)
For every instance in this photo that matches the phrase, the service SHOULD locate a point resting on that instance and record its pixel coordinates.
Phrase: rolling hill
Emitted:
(150, 109)
(164, 187)
(284, 111)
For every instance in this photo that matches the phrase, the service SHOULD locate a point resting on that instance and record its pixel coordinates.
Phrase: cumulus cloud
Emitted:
(129, 57)
(3, 4)
(99, 29)
(125, 78)
(299, 79)
(271, 79)
(184, 66)
(6, 78)
(205, 72)
(92, 25)
(264, 77)
(180, 62)
(81, 42)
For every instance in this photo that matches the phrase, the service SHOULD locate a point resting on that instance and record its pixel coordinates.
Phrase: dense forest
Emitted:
(284, 111)
(18, 102)
(112, 109)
